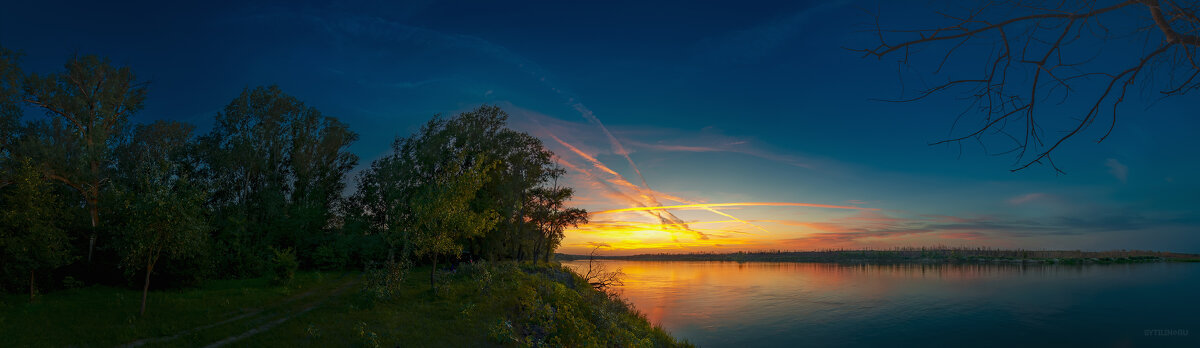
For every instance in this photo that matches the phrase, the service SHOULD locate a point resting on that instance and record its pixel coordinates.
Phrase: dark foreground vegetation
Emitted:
(479, 304)
(915, 255)
(92, 206)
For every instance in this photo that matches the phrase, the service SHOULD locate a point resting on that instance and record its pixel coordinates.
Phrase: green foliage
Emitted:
(367, 337)
(31, 238)
(70, 282)
(469, 185)
(331, 256)
(554, 307)
(10, 110)
(269, 176)
(161, 202)
(283, 266)
(89, 104)
(550, 217)
(441, 212)
(277, 168)
(502, 332)
(162, 206)
(410, 318)
(482, 273)
(383, 283)
(100, 315)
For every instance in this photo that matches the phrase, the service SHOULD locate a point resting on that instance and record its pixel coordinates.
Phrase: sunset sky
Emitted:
(684, 127)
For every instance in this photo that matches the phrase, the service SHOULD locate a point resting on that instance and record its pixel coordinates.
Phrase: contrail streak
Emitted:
(741, 204)
(645, 191)
(666, 218)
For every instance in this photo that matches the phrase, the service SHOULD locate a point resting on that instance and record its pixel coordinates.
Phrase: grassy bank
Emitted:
(502, 304)
(916, 255)
(108, 316)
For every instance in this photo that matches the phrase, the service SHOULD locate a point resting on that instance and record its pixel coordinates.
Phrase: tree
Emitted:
(441, 212)
(30, 236)
(526, 166)
(10, 112)
(90, 104)
(550, 216)
(278, 168)
(522, 165)
(1035, 62)
(598, 276)
(163, 203)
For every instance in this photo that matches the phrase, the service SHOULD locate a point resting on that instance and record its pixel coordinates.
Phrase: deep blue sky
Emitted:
(741, 102)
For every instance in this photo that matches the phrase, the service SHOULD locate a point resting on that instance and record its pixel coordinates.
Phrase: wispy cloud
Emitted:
(739, 204)
(710, 141)
(750, 45)
(651, 139)
(1117, 169)
(1028, 197)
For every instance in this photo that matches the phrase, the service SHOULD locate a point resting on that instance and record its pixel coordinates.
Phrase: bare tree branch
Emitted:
(598, 275)
(1039, 64)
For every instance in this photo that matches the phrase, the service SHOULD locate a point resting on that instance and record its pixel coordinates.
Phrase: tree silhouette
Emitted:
(441, 212)
(549, 216)
(10, 111)
(517, 187)
(31, 235)
(1030, 58)
(90, 104)
(277, 167)
(163, 202)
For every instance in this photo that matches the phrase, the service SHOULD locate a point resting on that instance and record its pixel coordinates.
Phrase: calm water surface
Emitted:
(753, 304)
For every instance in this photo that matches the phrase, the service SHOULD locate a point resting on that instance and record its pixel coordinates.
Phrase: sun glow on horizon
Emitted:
(646, 220)
(740, 204)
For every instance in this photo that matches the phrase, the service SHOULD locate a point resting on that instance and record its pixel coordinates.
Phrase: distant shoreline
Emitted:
(916, 256)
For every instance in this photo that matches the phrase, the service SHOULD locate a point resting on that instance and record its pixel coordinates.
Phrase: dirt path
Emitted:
(275, 319)
(272, 324)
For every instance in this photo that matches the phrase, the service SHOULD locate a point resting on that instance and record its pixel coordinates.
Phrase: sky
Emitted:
(684, 127)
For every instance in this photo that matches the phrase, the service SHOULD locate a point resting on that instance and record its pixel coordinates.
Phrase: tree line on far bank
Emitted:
(89, 198)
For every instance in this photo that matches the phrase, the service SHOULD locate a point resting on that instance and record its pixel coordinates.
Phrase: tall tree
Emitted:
(551, 217)
(164, 204)
(90, 103)
(441, 213)
(390, 193)
(382, 200)
(279, 167)
(31, 238)
(10, 112)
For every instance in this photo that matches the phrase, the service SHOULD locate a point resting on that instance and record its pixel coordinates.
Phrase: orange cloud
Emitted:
(740, 204)
(645, 193)
(617, 186)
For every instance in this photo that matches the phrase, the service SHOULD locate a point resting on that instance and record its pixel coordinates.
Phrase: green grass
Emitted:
(493, 305)
(107, 316)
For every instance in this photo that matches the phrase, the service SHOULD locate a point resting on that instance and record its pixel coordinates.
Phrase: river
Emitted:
(759, 304)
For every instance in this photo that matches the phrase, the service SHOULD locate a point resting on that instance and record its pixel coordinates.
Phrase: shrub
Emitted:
(555, 307)
(384, 282)
(330, 257)
(368, 338)
(283, 266)
(481, 274)
(70, 282)
(502, 332)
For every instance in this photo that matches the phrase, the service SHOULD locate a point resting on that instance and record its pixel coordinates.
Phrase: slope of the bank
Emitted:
(484, 304)
(500, 304)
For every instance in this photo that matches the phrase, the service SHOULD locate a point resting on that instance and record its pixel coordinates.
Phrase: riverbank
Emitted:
(916, 255)
(501, 304)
